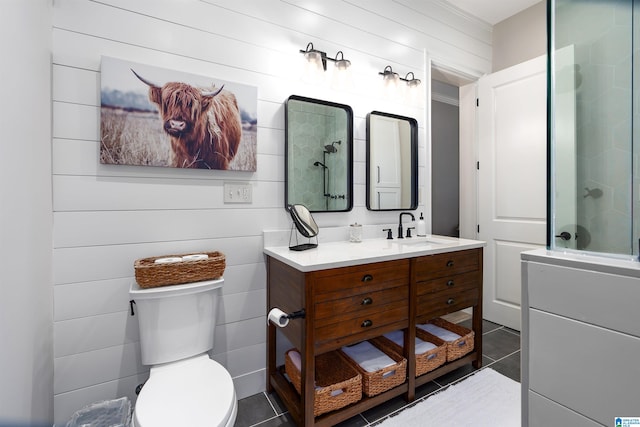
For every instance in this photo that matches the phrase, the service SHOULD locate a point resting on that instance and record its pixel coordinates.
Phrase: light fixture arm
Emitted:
(388, 71)
(407, 79)
(411, 81)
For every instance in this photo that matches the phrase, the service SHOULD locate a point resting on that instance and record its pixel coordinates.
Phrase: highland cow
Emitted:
(204, 125)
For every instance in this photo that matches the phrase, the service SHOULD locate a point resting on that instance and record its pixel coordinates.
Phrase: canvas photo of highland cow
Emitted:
(151, 116)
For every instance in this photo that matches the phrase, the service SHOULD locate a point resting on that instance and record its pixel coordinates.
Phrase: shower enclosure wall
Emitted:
(580, 332)
(594, 95)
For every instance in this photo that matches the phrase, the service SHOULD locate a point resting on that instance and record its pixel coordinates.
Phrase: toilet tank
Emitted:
(177, 321)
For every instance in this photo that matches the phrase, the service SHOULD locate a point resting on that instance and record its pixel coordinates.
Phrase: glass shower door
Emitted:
(592, 130)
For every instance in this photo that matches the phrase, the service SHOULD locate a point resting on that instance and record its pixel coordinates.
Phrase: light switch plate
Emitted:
(238, 192)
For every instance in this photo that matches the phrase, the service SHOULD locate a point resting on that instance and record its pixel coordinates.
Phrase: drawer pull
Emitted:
(450, 263)
(367, 323)
(450, 301)
(367, 301)
(367, 278)
(450, 283)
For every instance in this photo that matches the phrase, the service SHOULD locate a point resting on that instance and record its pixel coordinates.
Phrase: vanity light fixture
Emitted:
(341, 64)
(391, 78)
(411, 81)
(318, 59)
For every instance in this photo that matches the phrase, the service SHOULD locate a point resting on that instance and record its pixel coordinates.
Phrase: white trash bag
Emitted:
(108, 413)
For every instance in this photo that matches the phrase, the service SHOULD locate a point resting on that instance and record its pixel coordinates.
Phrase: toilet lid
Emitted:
(195, 392)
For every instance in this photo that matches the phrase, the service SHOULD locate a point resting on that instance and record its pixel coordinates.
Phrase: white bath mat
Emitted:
(485, 399)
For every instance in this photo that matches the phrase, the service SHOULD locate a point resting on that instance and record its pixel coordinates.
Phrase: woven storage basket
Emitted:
(333, 373)
(374, 383)
(427, 361)
(151, 275)
(463, 345)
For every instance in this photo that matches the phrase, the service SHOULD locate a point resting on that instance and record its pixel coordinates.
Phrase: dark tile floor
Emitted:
(501, 352)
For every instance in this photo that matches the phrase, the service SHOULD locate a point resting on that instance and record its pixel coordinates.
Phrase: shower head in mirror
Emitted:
(331, 148)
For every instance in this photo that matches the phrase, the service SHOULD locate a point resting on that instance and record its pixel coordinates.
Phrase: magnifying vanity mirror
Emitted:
(318, 154)
(392, 162)
(305, 224)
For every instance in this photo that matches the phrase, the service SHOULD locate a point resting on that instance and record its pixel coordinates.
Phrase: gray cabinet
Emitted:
(580, 341)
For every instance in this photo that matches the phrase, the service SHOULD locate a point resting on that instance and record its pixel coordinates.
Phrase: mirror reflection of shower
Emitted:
(326, 173)
(328, 149)
(325, 179)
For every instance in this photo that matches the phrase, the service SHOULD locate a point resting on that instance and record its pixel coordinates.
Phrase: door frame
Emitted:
(466, 79)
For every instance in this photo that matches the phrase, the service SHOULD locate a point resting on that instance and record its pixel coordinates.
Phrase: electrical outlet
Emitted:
(237, 192)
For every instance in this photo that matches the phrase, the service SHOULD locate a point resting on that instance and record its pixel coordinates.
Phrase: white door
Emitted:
(512, 206)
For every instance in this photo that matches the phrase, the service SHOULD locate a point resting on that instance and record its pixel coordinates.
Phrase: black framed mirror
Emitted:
(392, 162)
(318, 154)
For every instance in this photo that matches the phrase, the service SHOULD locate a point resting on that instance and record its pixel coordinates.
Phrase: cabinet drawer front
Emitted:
(450, 283)
(354, 323)
(439, 303)
(429, 267)
(361, 304)
(350, 281)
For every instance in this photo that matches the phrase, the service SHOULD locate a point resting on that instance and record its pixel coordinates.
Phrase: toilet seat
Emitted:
(195, 392)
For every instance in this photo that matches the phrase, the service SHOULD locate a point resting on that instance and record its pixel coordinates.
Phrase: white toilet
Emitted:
(185, 387)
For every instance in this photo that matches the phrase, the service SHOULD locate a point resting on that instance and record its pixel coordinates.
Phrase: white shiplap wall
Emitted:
(105, 217)
(26, 329)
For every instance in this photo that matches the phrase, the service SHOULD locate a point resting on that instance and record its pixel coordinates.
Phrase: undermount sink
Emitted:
(419, 241)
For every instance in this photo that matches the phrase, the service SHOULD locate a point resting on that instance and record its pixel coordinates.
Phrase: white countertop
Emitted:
(344, 254)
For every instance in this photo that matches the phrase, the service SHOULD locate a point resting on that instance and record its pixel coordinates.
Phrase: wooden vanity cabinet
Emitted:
(349, 304)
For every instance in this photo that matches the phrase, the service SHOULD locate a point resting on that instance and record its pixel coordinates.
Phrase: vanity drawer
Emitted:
(344, 282)
(348, 324)
(439, 303)
(429, 267)
(362, 304)
(450, 283)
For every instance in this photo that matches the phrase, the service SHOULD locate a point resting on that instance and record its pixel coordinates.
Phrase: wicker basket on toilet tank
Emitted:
(150, 274)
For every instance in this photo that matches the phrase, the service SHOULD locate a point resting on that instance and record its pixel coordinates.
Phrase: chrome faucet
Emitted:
(400, 235)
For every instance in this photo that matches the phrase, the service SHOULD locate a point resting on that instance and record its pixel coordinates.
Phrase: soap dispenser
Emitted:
(421, 228)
